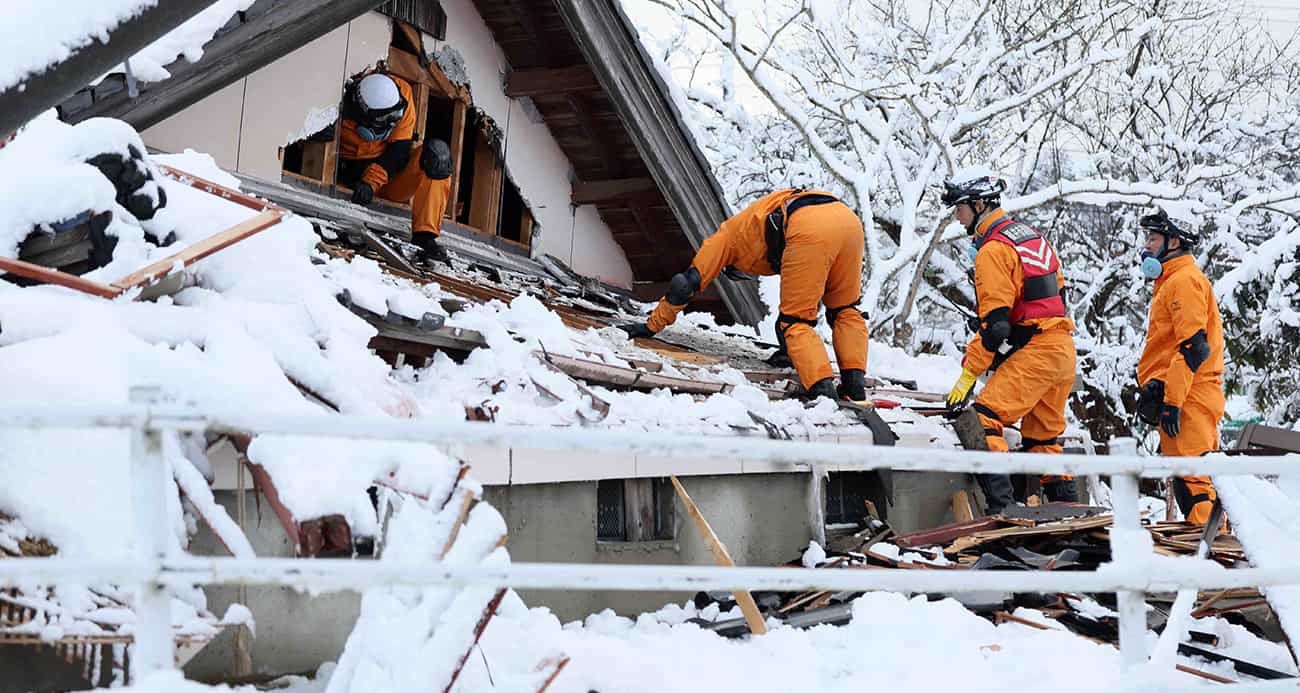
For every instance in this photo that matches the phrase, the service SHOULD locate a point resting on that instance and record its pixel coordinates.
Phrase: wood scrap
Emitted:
(744, 599)
(961, 507)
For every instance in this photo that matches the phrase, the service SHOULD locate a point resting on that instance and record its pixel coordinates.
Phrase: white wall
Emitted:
(211, 126)
(244, 125)
(534, 160)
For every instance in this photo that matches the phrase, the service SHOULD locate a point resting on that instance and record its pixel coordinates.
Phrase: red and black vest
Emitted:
(1040, 296)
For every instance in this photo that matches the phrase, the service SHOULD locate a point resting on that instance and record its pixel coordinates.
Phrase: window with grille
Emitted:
(634, 509)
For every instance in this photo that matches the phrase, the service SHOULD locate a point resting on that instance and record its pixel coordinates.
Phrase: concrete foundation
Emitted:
(296, 631)
(764, 520)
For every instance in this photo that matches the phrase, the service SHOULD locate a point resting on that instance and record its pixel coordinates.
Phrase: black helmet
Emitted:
(435, 159)
(971, 186)
(1160, 223)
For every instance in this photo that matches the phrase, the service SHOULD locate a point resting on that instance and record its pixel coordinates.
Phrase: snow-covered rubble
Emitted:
(902, 643)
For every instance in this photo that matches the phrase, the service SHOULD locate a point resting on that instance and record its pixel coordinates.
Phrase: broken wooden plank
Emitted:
(207, 186)
(947, 533)
(745, 600)
(556, 665)
(631, 377)
(961, 507)
(52, 276)
(192, 254)
(488, 613)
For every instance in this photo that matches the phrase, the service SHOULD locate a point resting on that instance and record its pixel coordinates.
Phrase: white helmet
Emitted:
(378, 93)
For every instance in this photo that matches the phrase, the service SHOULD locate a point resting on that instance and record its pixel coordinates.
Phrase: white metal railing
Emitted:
(1127, 575)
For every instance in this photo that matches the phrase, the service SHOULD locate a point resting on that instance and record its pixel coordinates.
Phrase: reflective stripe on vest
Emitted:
(1040, 295)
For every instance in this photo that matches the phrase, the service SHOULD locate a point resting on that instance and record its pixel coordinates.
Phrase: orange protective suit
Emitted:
(822, 263)
(428, 197)
(1033, 384)
(1183, 304)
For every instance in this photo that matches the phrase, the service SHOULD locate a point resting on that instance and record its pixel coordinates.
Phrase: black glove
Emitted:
(637, 329)
(363, 194)
(1170, 418)
(1150, 399)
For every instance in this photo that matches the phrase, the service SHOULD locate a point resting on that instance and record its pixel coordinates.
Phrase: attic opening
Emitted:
(483, 198)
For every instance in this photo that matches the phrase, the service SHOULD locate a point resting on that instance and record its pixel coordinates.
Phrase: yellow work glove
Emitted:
(961, 391)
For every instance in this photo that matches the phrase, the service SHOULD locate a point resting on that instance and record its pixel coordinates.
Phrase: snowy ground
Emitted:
(894, 642)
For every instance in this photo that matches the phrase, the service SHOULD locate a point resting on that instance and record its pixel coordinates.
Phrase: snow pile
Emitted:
(185, 41)
(46, 179)
(417, 638)
(902, 638)
(1266, 519)
(255, 319)
(34, 37)
(80, 23)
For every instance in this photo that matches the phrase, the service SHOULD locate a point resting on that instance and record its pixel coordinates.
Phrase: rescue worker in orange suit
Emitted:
(1181, 370)
(380, 157)
(1023, 334)
(814, 242)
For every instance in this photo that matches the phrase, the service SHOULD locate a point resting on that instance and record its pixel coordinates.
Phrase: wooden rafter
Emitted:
(599, 138)
(609, 189)
(550, 81)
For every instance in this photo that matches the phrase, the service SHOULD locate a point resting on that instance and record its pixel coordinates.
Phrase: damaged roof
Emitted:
(579, 63)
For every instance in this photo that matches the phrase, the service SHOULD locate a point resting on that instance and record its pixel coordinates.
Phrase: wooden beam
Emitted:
(52, 276)
(407, 66)
(552, 81)
(601, 140)
(459, 115)
(524, 14)
(611, 46)
(722, 557)
(587, 192)
(60, 81)
(192, 254)
(285, 26)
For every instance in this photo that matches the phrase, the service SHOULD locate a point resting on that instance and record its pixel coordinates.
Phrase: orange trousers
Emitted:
(1032, 387)
(428, 197)
(822, 264)
(1198, 434)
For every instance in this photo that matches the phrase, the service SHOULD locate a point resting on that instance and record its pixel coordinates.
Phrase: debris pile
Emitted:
(1053, 536)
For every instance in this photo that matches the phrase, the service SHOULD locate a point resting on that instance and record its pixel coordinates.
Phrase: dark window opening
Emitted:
(516, 220)
(306, 157)
(630, 510)
(847, 494)
(468, 154)
(438, 124)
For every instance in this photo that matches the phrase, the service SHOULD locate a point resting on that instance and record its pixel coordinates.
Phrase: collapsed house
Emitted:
(577, 193)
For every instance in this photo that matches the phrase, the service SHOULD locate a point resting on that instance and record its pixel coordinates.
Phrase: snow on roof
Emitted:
(26, 51)
(261, 322)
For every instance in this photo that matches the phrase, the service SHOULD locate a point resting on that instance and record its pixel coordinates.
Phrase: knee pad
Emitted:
(683, 287)
(435, 159)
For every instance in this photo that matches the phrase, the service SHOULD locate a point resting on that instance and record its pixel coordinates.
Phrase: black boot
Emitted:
(853, 385)
(997, 491)
(1061, 490)
(822, 388)
(430, 251)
